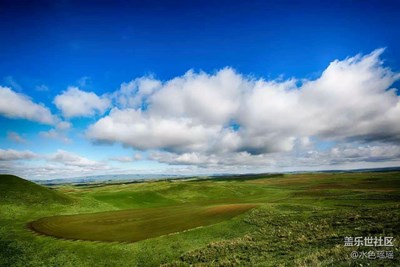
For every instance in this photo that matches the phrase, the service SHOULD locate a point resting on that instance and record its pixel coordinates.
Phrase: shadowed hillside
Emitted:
(16, 190)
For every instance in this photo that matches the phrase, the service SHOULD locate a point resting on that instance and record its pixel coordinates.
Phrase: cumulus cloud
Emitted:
(60, 164)
(59, 132)
(374, 152)
(19, 106)
(346, 156)
(229, 122)
(72, 159)
(11, 154)
(60, 156)
(203, 98)
(186, 113)
(77, 103)
(136, 129)
(199, 116)
(135, 93)
(63, 126)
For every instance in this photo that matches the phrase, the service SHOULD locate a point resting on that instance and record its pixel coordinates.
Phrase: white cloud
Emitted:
(134, 128)
(59, 132)
(228, 122)
(348, 156)
(19, 106)
(60, 164)
(186, 113)
(135, 93)
(72, 159)
(77, 103)
(203, 98)
(374, 152)
(11, 154)
(64, 126)
(351, 100)
(202, 118)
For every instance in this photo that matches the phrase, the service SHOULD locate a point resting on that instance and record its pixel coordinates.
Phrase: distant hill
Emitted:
(108, 178)
(14, 189)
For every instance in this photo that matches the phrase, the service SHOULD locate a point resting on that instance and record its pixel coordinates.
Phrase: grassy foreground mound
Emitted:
(14, 189)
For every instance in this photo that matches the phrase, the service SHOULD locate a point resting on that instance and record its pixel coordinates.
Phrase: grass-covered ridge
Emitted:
(14, 189)
(300, 220)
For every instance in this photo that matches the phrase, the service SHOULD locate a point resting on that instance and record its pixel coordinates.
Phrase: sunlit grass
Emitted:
(300, 220)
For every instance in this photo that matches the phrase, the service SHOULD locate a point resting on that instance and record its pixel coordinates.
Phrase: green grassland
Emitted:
(262, 220)
(135, 224)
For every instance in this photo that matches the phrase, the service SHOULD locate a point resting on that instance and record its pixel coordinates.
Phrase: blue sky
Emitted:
(92, 87)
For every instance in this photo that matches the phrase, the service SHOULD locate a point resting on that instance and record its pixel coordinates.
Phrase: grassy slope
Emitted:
(16, 190)
(308, 228)
(302, 222)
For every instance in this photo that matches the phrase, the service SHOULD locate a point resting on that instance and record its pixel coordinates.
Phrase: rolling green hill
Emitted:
(16, 190)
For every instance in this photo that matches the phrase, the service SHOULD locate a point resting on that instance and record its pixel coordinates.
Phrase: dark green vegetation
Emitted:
(16, 190)
(135, 224)
(286, 220)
